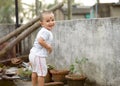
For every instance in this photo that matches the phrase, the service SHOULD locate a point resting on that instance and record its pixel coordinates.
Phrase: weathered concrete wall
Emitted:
(96, 39)
(6, 28)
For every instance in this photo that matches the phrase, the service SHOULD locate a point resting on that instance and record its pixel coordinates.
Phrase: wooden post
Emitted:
(69, 9)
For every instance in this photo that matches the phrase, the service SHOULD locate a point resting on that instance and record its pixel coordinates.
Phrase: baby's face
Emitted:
(48, 21)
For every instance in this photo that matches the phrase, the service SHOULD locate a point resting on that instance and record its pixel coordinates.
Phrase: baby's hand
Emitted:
(49, 49)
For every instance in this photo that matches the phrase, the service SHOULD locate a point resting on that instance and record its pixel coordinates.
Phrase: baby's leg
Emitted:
(40, 81)
(34, 79)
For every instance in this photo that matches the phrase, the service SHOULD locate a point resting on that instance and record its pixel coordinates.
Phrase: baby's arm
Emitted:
(45, 45)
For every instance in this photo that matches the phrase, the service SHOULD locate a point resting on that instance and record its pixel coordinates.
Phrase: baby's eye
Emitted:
(53, 20)
(48, 21)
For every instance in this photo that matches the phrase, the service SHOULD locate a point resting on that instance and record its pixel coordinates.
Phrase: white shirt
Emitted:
(37, 48)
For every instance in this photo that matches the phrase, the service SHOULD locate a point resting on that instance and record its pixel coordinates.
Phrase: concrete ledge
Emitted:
(54, 84)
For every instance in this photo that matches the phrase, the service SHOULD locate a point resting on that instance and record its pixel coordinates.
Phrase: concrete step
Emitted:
(54, 84)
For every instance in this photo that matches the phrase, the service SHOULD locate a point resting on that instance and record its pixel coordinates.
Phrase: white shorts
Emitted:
(38, 64)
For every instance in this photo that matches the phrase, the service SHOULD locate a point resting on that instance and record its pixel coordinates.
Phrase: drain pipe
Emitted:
(16, 13)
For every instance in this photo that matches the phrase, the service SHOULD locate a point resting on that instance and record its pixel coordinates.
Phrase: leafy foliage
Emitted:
(50, 67)
(72, 68)
(7, 10)
(24, 72)
(79, 63)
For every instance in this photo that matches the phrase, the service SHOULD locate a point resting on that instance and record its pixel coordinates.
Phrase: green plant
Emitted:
(50, 67)
(22, 72)
(72, 68)
(76, 78)
(79, 63)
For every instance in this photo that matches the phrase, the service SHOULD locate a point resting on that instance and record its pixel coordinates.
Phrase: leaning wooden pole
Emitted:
(23, 32)
(18, 30)
(18, 39)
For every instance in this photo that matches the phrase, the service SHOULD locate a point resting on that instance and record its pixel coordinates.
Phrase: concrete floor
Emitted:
(25, 83)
